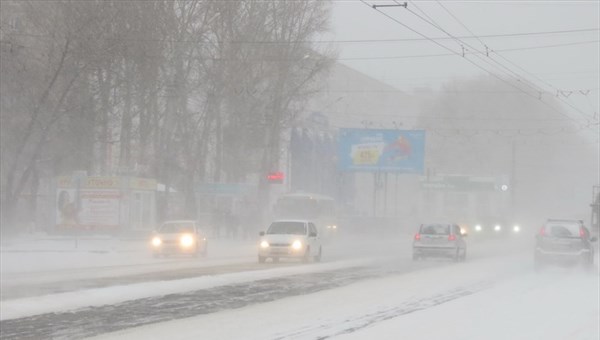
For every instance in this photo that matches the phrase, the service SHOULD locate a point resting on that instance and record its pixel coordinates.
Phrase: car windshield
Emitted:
(282, 228)
(177, 227)
(435, 229)
(563, 230)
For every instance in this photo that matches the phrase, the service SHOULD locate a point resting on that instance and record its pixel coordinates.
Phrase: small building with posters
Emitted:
(103, 205)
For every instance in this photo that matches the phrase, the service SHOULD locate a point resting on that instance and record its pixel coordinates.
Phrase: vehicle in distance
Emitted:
(564, 242)
(297, 239)
(179, 237)
(319, 209)
(440, 240)
(495, 229)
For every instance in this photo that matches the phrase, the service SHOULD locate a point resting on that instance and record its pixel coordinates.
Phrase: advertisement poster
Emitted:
(366, 150)
(67, 215)
(100, 208)
(90, 203)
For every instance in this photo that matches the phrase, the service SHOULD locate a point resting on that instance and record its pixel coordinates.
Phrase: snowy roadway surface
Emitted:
(367, 288)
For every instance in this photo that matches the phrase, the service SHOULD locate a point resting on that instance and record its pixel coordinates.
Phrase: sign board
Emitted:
(366, 150)
(460, 183)
(98, 208)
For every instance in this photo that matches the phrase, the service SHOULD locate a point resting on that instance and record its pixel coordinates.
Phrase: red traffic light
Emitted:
(275, 177)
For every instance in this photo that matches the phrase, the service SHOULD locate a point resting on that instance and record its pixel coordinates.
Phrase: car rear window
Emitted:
(563, 230)
(180, 227)
(287, 227)
(435, 229)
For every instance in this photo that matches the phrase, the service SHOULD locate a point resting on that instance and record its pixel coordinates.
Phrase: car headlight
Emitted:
(264, 244)
(156, 241)
(497, 227)
(334, 226)
(516, 228)
(463, 231)
(297, 245)
(186, 241)
(478, 227)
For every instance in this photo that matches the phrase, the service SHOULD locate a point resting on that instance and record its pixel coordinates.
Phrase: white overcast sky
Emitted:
(569, 68)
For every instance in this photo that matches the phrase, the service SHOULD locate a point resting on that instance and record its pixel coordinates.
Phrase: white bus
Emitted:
(320, 209)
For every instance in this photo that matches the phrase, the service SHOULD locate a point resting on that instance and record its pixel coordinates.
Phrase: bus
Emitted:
(319, 209)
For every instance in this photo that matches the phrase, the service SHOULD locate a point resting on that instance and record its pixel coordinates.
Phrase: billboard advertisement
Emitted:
(366, 150)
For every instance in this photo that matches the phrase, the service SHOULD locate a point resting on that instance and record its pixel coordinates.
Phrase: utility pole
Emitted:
(595, 205)
(513, 181)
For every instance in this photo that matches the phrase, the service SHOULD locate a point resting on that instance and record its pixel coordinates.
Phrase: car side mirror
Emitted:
(312, 234)
(262, 233)
(593, 239)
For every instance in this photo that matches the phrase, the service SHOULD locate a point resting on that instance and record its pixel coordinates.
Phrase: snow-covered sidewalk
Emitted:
(44, 253)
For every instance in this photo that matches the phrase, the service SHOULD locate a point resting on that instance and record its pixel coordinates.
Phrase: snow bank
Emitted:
(17, 308)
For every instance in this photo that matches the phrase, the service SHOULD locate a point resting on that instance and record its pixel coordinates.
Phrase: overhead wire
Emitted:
(517, 77)
(509, 61)
(509, 35)
(462, 43)
(473, 53)
(469, 60)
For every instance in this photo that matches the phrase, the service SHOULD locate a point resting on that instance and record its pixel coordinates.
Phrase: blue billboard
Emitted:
(400, 151)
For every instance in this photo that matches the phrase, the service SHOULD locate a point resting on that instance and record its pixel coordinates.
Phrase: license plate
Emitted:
(278, 251)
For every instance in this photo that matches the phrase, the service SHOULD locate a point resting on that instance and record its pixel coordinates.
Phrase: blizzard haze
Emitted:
(439, 162)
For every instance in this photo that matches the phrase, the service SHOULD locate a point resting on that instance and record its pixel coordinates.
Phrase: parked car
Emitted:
(564, 242)
(179, 237)
(298, 239)
(440, 240)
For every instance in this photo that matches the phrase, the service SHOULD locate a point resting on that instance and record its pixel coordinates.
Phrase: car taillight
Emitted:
(451, 237)
(417, 237)
(543, 231)
(581, 233)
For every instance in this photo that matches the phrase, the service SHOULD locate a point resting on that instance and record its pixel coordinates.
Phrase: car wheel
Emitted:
(306, 256)
(588, 262)
(456, 256)
(464, 255)
(538, 264)
(261, 259)
(318, 257)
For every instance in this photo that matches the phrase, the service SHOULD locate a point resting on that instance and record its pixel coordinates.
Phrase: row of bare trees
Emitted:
(182, 91)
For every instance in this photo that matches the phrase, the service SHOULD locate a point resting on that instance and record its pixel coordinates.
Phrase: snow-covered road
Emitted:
(364, 290)
(490, 298)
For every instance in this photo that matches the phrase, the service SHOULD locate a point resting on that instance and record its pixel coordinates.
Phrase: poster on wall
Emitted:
(67, 214)
(366, 150)
(89, 203)
(100, 208)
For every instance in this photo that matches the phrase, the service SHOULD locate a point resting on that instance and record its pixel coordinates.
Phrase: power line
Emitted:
(469, 118)
(504, 35)
(575, 92)
(434, 24)
(472, 53)
(512, 63)
(347, 58)
(470, 61)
